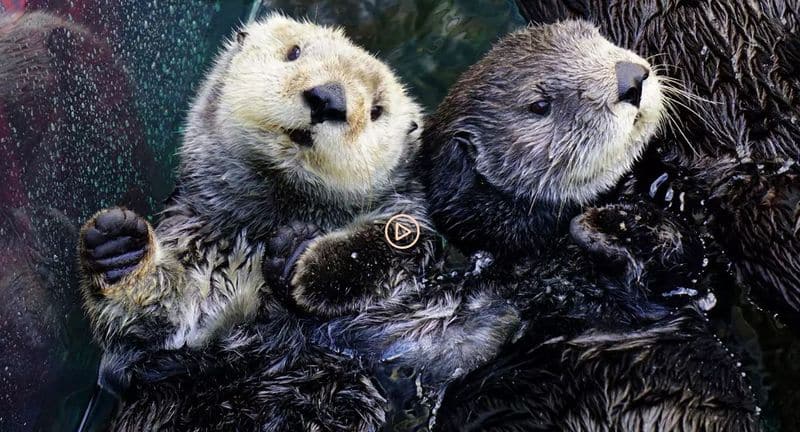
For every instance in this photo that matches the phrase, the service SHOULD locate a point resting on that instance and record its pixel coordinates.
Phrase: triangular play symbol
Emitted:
(401, 231)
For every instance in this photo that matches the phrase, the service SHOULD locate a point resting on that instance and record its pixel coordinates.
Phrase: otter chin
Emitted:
(546, 122)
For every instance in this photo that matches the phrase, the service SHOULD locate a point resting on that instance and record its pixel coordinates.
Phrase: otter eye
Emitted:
(540, 108)
(376, 112)
(293, 53)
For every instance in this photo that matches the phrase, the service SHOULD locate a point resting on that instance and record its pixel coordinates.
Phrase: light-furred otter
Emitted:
(294, 126)
(264, 177)
(546, 122)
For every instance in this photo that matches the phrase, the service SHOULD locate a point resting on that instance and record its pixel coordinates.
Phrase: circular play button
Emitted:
(402, 231)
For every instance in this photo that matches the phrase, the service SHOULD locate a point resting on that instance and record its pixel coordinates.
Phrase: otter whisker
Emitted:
(652, 57)
(685, 105)
(672, 120)
(687, 108)
(683, 91)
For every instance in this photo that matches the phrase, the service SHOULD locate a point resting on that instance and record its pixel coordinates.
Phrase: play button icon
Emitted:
(402, 231)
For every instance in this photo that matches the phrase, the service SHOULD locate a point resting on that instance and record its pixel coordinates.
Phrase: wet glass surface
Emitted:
(92, 96)
(91, 101)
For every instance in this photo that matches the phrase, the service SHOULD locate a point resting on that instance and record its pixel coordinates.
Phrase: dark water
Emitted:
(91, 106)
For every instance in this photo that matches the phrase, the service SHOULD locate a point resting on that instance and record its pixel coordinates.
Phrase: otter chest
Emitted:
(223, 287)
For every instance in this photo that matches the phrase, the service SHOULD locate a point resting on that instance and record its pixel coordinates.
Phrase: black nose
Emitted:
(630, 77)
(327, 103)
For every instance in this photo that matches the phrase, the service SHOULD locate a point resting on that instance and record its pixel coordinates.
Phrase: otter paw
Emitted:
(284, 248)
(641, 232)
(339, 274)
(640, 238)
(113, 243)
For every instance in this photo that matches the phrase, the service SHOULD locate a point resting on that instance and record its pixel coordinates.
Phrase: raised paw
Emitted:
(113, 243)
(623, 233)
(284, 249)
(640, 239)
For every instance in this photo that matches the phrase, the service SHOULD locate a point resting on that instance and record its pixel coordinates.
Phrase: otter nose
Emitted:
(630, 78)
(327, 103)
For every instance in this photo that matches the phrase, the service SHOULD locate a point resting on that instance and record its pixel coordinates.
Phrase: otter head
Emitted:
(304, 100)
(549, 119)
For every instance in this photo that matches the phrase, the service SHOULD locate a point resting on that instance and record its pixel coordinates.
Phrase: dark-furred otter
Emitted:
(549, 120)
(729, 158)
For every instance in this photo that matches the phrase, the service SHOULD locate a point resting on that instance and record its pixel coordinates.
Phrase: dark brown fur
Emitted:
(615, 336)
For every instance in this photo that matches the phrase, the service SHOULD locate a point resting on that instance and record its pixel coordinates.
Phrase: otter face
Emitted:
(556, 113)
(308, 102)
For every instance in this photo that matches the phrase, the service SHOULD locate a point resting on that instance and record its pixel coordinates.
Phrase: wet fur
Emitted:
(605, 346)
(502, 159)
(390, 362)
(387, 365)
(742, 60)
(202, 272)
(195, 338)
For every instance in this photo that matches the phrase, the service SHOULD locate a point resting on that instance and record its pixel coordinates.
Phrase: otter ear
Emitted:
(241, 36)
(464, 141)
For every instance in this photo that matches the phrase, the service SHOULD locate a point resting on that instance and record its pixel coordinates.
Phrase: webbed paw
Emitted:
(114, 243)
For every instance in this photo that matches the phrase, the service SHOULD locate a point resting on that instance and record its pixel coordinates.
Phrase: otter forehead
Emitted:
(269, 40)
(570, 57)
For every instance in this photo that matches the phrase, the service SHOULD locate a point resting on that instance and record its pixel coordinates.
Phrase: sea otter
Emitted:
(388, 363)
(296, 153)
(545, 124)
(293, 124)
(559, 317)
(729, 158)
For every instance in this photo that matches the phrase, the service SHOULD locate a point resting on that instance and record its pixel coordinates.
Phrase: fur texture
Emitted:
(614, 337)
(729, 153)
(194, 336)
(185, 285)
(484, 146)
(388, 364)
(242, 177)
